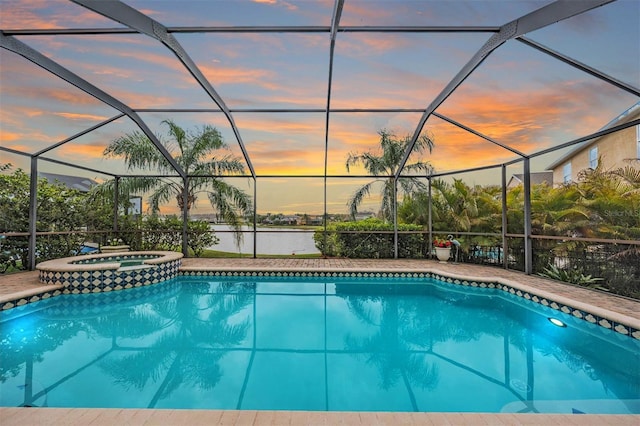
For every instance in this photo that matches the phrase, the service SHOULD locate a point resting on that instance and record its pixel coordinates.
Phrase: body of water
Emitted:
(268, 241)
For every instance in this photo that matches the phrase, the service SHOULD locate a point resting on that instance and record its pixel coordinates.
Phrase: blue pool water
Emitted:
(313, 344)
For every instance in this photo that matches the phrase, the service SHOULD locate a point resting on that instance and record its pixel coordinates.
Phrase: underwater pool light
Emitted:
(557, 322)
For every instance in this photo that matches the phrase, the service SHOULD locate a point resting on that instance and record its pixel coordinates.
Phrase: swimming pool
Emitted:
(305, 343)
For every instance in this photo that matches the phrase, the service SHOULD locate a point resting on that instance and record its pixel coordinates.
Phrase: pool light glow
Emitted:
(557, 322)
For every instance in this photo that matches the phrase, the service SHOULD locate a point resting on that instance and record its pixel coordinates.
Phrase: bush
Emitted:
(60, 209)
(571, 276)
(370, 239)
(166, 234)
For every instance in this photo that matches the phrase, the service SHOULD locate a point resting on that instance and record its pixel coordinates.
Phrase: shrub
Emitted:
(572, 276)
(166, 234)
(369, 239)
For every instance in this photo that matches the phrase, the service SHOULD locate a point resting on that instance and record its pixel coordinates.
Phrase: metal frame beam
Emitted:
(528, 249)
(185, 216)
(132, 18)
(77, 135)
(76, 166)
(33, 213)
(14, 45)
(259, 29)
(15, 151)
(581, 66)
(480, 135)
(546, 15)
(594, 135)
(335, 23)
(505, 224)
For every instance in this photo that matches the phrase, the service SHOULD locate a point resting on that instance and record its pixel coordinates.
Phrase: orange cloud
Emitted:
(38, 14)
(6, 137)
(35, 84)
(525, 119)
(218, 75)
(285, 4)
(368, 45)
(77, 116)
(77, 151)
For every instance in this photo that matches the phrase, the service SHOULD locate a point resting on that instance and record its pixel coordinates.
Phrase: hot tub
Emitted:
(107, 272)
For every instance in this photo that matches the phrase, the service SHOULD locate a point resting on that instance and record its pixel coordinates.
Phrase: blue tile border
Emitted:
(116, 257)
(22, 301)
(85, 282)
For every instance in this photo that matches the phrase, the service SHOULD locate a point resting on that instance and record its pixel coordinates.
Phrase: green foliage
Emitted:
(166, 234)
(571, 276)
(8, 257)
(14, 202)
(600, 204)
(369, 239)
(60, 209)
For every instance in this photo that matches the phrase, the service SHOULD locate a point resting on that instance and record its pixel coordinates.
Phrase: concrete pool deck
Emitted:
(28, 283)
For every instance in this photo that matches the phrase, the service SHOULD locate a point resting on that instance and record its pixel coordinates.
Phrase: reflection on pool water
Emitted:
(313, 344)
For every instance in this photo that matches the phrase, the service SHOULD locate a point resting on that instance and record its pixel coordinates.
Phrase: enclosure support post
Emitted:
(33, 213)
(185, 215)
(429, 206)
(528, 254)
(395, 218)
(505, 242)
(116, 201)
(255, 218)
(324, 214)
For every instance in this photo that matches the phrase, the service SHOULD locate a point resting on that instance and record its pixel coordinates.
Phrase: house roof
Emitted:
(536, 178)
(626, 116)
(73, 182)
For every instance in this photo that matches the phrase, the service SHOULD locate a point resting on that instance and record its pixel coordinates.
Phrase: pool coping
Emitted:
(109, 416)
(67, 264)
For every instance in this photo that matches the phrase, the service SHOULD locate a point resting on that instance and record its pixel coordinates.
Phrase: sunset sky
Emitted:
(518, 96)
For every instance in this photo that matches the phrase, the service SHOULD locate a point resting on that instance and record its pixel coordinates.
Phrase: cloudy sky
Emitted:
(518, 96)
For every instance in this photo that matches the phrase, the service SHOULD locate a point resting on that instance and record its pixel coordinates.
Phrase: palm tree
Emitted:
(195, 153)
(386, 164)
(610, 198)
(455, 207)
(629, 174)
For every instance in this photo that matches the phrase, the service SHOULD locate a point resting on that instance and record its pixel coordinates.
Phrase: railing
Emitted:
(616, 262)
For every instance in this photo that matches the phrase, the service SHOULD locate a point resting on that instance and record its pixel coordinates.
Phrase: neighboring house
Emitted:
(72, 182)
(612, 149)
(310, 220)
(365, 215)
(536, 179)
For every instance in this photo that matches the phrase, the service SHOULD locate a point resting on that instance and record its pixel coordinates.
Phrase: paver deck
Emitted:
(28, 282)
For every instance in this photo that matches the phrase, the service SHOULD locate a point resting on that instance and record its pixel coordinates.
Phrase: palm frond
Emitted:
(357, 197)
(178, 133)
(138, 152)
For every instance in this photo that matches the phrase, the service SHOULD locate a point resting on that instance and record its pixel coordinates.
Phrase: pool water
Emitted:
(313, 344)
(123, 261)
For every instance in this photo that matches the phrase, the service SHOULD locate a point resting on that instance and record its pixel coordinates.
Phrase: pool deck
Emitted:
(27, 283)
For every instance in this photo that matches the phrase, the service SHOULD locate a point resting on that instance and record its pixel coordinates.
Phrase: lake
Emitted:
(268, 241)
